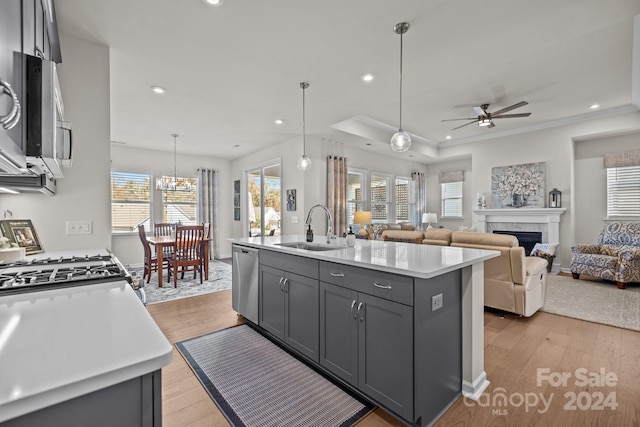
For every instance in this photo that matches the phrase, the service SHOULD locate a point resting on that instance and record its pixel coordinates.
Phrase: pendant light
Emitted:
(304, 162)
(167, 183)
(401, 141)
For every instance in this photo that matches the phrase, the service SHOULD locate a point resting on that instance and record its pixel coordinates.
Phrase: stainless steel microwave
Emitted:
(48, 138)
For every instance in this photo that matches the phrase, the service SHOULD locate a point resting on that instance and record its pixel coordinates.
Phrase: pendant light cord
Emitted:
(175, 157)
(304, 86)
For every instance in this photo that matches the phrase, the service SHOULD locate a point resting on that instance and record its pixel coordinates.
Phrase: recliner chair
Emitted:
(512, 282)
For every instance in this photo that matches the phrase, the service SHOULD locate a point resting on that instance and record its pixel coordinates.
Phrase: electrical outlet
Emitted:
(436, 302)
(78, 227)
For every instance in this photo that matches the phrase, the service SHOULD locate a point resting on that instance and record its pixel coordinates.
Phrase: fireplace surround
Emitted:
(543, 220)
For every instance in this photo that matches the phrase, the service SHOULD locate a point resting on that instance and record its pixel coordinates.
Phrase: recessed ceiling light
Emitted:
(213, 2)
(157, 89)
(594, 106)
(278, 121)
(448, 136)
(368, 77)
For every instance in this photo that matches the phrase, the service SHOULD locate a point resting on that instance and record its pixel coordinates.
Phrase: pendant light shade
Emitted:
(401, 141)
(167, 183)
(304, 162)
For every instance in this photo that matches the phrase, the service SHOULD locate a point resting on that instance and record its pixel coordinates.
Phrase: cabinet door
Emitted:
(272, 302)
(302, 314)
(11, 67)
(339, 332)
(386, 353)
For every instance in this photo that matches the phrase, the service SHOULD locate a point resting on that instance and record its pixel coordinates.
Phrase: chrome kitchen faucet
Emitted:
(330, 234)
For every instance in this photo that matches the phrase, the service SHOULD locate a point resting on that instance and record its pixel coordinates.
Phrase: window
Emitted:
(130, 201)
(402, 199)
(180, 206)
(451, 199)
(623, 191)
(356, 196)
(380, 198)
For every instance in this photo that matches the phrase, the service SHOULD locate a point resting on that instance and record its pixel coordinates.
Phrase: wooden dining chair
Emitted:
(187, 252)
(164, 229)
(150, 260)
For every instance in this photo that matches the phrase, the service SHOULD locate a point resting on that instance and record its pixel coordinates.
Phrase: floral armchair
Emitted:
(615, 257)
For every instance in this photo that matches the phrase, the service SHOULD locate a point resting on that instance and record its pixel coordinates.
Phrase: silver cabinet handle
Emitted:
(282, 284)
(337, 274)
(10, 120)
(377, 285)
(353, 313)
(286, 286)
(359, 308)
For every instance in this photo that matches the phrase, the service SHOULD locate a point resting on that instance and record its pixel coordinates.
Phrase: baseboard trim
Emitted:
(475, 390)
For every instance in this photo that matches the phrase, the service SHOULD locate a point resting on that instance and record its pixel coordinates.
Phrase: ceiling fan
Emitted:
(485, 118)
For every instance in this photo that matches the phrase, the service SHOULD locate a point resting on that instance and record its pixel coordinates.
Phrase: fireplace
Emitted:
(527, 239)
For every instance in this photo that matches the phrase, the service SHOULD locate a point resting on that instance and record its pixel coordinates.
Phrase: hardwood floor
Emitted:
(515, 348)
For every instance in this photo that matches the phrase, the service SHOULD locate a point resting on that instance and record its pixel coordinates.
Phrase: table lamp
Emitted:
(428, 218)
(363, 218)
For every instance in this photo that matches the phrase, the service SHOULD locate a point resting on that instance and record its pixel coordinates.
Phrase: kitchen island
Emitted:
(86, 355)
(399, 323)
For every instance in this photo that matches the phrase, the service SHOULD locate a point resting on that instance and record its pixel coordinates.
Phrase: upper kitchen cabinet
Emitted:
(40, 30)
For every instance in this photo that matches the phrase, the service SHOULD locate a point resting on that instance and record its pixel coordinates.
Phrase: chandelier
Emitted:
(171, 183)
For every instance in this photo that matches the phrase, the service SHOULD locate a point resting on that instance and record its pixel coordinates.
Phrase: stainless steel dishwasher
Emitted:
(244, 291)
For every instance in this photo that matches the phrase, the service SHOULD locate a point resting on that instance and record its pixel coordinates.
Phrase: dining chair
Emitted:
(164, 229)
(150, 261)
(187, 252)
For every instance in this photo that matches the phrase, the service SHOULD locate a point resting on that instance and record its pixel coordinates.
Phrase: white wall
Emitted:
(83, 193)
(591, 182)
(555, 147)
(434, 197)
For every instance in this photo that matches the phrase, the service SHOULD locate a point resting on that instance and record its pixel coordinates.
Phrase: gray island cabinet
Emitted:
(366, 317)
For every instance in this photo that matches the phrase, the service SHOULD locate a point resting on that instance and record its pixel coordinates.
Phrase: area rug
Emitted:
(594, 301)
(219, 280)
(256, 383)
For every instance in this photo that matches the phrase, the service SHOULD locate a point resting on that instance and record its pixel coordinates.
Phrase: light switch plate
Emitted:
(294, 219)
(77, 227)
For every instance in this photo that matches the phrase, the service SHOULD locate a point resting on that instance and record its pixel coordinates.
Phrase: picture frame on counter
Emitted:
(22, 233)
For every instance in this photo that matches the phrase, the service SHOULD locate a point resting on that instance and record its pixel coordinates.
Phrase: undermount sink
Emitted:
(310, 246)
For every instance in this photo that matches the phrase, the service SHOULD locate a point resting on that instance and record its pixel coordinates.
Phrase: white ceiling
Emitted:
(230, 71)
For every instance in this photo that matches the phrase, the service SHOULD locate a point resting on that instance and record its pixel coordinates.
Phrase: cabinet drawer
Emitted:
(378, 283)
(291, 263)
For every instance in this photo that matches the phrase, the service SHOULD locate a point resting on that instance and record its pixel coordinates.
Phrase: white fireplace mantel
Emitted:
(548, 216)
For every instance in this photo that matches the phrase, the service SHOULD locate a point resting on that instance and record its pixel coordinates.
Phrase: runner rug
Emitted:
(256, 383)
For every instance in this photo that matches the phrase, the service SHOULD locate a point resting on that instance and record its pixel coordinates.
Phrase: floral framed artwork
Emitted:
(518, 186)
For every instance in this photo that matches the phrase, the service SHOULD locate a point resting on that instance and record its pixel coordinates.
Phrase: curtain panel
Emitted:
(337, 192)
(208, 206)
(419, 182)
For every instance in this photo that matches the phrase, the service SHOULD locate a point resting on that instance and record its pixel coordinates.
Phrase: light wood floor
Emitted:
(514, 349)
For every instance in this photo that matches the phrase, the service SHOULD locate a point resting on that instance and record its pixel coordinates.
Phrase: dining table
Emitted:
(161, 242)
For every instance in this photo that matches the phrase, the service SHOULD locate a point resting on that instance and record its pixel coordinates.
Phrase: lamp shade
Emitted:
(362, 217)
(425, 218)
(431, 217)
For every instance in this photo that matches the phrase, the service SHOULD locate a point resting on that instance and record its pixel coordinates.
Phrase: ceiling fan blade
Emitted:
(463, 118)
(479, 111)
(466, 124)
(510, 116)
(511, 107)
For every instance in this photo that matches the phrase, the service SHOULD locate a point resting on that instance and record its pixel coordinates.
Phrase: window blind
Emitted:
(452, 199)
(623, 191)
(130, 201)
(181, 206)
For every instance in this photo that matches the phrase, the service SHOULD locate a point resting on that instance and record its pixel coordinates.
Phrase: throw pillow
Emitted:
(540, 249)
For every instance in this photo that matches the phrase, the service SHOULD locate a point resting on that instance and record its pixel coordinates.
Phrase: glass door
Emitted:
(264, 188)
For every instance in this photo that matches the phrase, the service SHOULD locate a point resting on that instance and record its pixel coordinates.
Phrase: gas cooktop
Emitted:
(60, 270)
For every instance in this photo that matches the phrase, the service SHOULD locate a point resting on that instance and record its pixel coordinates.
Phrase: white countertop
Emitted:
(409, 259)
(59, 344)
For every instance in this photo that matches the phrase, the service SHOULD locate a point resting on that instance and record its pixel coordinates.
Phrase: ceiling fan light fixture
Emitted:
(304, 162)
(400, 141)
(486, 121)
